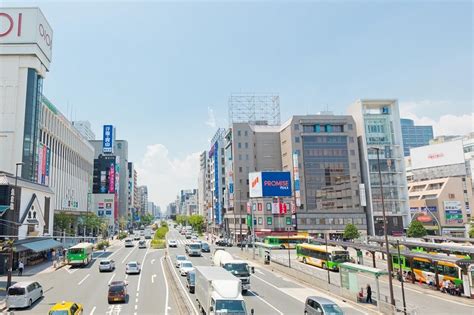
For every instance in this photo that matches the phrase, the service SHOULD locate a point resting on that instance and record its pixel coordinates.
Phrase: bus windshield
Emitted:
(340, 257)
(230, 307)
(76, 250)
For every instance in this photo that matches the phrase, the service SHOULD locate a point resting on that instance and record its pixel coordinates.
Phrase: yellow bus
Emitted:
(319, 256)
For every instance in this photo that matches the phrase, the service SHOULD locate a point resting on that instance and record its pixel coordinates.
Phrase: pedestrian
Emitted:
(369, 294)
(20, 268)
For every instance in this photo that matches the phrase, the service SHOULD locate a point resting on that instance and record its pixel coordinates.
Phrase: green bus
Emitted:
(80, 254)
(326, 257)
(285, 241)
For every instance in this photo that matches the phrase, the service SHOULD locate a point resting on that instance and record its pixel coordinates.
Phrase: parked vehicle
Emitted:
(80, 254)
(142, 244)
(316, 305)
(128, 242)
(238, 268)
(106, 265)
(191, 281)
(66, 308)
(132, 267)
(23, 294)
(117, 292)
(217, 291)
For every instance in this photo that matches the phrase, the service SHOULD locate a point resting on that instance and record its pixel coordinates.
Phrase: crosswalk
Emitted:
(183, 242)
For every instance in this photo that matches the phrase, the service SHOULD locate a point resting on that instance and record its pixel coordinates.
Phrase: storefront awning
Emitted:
(3, 209)
(42, 245)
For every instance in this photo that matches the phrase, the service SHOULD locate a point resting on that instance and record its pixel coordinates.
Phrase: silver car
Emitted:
(316, 305)
(106, 265)
(179, 259)
(133, 267)
(23, 294)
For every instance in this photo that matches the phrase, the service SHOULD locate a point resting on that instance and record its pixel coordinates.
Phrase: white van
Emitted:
(23, 294)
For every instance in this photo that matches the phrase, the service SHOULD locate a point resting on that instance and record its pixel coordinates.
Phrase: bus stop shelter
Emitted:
(349, 282)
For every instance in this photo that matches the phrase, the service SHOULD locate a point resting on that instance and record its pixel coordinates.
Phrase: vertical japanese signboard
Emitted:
(108, 139)
(296, 178)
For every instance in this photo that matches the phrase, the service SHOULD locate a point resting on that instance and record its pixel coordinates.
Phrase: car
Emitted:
(132, 267)
(136, 237)
(117, 291)
(172, 243)
(142, 244)
(224, 243)
(188, 236)
(66, 308)
(23, 294)
(179, 259)
(142, 233)
(106, 265)
(316, 305)
(194, 238)
(128, 242)
(191, 281)
(185, 267)
(205, 247)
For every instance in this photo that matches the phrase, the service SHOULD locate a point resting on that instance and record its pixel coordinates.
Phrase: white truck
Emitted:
(238, 268)
(218, 292)
(148, 233)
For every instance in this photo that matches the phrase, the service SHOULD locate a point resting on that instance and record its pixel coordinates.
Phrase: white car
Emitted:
(128, 243)
(172, 243)
(133, 267)
(185, 267)
(106, 265)
(23, 294)
(179, 259)
(194, 238)
(136, 237)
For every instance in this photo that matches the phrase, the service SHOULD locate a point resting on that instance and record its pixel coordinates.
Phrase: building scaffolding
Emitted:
(255, 109)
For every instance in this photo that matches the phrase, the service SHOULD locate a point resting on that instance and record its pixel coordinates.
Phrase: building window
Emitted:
(353, 152)
(337, 128)
(317, 128)
(351, 139)
(246, 133)
(451, 196)
(239, 145)
(247, 157)
(297, 127)
(240, 169)
(328, 128)
(288, 221)
(240, 157)
(269, 220)
(297, 139)
(246, 145)
(238, 133)
(269, 206)
(349, 126)
(260, 220)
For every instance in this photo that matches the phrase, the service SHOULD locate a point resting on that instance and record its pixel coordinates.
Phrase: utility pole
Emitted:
(401, 279)
(327, 268)
(389, 257)
(15, 207)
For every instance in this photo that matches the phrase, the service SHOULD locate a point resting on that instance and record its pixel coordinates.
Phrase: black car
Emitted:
(205, 248)
(191, 281)
(223, 242)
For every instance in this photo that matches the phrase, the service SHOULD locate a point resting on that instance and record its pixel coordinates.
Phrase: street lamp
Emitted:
(389, 257)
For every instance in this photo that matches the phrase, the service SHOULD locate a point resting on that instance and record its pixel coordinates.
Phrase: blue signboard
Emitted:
(276, 184)
(217, 206)
(108, 139)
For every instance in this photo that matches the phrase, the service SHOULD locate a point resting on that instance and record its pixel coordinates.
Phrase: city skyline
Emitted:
(189, 81)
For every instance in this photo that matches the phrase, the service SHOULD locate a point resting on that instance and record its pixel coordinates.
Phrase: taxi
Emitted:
(66, 308)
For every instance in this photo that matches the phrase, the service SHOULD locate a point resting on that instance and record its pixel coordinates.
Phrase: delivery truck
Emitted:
(218, 292)
(238, 268)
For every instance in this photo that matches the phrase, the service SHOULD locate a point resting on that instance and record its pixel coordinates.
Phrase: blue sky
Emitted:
(159, 71)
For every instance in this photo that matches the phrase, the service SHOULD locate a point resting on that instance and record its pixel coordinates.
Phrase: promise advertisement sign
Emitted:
(270, 184)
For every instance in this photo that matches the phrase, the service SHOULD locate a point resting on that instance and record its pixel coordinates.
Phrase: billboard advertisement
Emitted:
(108, 139)
(23, 31)
(448, 153)
(270, 184)
(104, 205)
(453, 212)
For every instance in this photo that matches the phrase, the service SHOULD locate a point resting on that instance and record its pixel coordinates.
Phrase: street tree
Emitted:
(416, 229)
(197, 222)
(471, 231)
(351, 232)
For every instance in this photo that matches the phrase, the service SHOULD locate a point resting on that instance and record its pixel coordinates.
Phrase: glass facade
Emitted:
(327, 173)
(414, 136)
(34, 91)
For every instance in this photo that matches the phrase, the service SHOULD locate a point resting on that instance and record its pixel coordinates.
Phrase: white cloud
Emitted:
(447, 124)
(211, 118)
(164, 175)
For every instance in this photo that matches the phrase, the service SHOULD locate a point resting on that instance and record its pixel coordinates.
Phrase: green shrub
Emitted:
(158, 244)
(100, 245)
(122, 235)
(161, 233)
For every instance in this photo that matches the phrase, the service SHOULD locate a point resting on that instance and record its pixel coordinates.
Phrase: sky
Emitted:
(162, 72)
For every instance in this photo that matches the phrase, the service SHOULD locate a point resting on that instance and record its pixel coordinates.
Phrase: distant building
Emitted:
(143, 198)
(187, 202)
(414, 136)
(217, 180)
(203, 184)
(378, 127)
(84, 127)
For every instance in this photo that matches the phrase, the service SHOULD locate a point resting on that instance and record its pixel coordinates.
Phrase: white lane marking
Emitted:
(126, 276)
(137, 294)
(111, 278)
(92, 311)
(123, 261)
(80, 282)
(254, 294)
(166, 286)
(141, 271)
(136, 300)
(184, 289)
(258, 271)
(136, 307)
(152, 261)
(153, 279)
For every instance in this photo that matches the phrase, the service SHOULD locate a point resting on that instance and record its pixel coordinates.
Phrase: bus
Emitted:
(285, 241)
(80, 254)
(319, 256)
(424, 269)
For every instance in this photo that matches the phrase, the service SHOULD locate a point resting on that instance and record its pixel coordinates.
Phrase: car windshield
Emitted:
(180, 258)
(116, 289)
(237, 268)
(186, 265)
(62, 312)
(16, 291)
(195, 246)
(105, 262)
(230, 307)
(332, 309)
(132, 265)
(192, 276)
(204, 245)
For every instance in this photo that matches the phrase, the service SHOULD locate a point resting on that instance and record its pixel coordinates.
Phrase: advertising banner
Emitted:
(112, 178)
(448, 153)
(270, 184)
(39, 166)
(296, 178)
(453, 212)
(108, 139)
(48, 163)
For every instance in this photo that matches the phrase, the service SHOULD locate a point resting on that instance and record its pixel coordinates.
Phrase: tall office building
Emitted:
(84, 127)
(203, 184)
(217, 180)
(143, 198)
(132, 191)
(378, 128)
(323, 150)
(414, 136)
